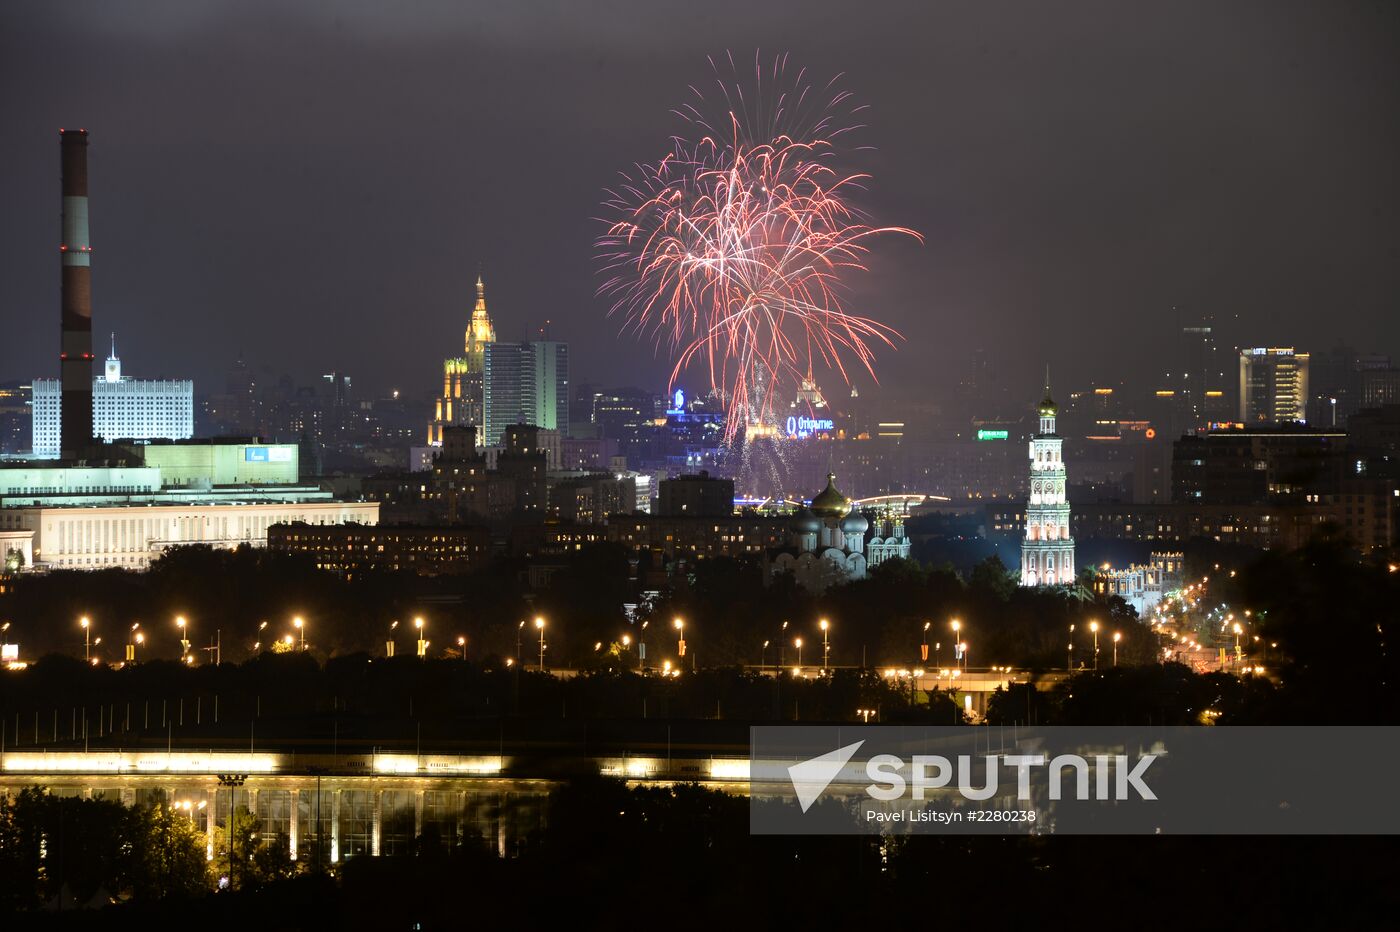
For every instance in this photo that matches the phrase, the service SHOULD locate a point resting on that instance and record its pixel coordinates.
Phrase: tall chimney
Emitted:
(75, 354)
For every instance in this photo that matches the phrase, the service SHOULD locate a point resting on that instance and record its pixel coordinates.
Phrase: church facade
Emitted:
(827, 544)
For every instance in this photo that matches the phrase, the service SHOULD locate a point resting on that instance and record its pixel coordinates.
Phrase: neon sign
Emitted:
(806, 426)
(984, 434)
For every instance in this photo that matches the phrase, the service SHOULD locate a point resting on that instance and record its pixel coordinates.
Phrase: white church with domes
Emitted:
(828, 545)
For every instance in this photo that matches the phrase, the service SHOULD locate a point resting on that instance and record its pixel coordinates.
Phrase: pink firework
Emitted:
(732, 249)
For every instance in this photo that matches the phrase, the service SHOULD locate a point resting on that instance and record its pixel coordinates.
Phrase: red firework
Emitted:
(732, 248)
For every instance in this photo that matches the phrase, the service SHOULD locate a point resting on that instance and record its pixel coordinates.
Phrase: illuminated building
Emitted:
(686, 537)
(1143, 585)
(827, 542)
(525, 383)
(123, 408)
(210, 493)
(1273, 386)
(888, 541)
(461, 399)
(1047, 550)
(351, 549)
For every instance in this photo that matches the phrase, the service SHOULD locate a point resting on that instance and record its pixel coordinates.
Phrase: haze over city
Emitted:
(317, 184)
(629, 462)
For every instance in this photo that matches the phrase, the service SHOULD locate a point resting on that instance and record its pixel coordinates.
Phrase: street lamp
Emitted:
(798, 644)
(140, 639)
(1094, 627)
(763, 656)
(1117, 636)
(183, 625)
(389, 644)
(923, 648)
(87, 638)
(422, 644)
(1071, 648)
(519, 633)
(781, 643)
(1238, 631)
(539, 623)
(958, 645)
(826, 643)
(680, 637)
(300, 624)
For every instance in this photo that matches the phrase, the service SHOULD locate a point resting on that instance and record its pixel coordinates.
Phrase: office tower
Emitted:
(525, 383)
(1273, 386)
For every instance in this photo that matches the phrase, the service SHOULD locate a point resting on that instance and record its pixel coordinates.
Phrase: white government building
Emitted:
(122, 408)
(218, 493)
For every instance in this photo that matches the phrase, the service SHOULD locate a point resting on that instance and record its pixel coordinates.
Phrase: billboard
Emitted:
(278, 454)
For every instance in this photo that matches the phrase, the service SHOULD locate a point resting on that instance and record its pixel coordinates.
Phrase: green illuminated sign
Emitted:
(993, 434)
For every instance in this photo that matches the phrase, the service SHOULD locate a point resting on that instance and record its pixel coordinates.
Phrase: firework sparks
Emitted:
(733, 247)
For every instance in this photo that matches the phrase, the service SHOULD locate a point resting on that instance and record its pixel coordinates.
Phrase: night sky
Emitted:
(316, 183)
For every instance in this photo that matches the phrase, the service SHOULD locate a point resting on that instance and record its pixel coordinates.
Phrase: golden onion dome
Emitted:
(830, 503)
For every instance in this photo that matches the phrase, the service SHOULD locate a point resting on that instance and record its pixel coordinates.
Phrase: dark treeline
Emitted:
(728, 609)
(682, 858)
(61, 701)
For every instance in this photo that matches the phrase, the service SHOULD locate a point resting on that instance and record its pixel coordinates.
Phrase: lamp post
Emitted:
(389, 643)
(1117, 636)
(923, 647)
(132, 639)
(1094, 627)
(1238, 631)
(782, 644)
(422, 644)
(826, 644)
(956, 625)
(300, 624)
(1071, 648)
(183, 625)
(140, 639)
(87, 638)
(798, 644)
(763, 656)
(232, 781)
(679, 624)
(539, 623)
(519, 635)
(462, 646)
(642, 646)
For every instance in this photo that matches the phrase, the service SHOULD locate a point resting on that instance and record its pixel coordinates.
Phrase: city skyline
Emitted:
(321, 218)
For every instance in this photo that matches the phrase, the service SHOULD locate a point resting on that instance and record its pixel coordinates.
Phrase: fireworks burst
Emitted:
(732, 248)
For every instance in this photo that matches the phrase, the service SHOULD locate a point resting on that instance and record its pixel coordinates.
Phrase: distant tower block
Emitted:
(1047, 552)
(461, 400)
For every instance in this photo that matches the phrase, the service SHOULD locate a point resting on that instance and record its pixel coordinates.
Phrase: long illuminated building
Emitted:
(219, 494)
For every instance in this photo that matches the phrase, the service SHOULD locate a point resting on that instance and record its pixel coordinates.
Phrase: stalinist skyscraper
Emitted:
(1047, 553)
(460, 402)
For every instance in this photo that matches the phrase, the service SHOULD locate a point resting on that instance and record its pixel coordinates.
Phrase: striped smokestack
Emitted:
(75, 352)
